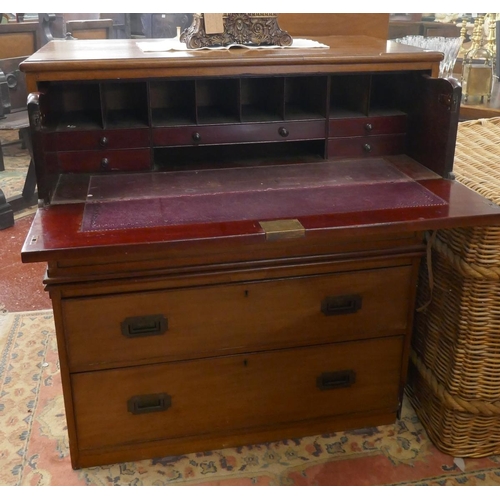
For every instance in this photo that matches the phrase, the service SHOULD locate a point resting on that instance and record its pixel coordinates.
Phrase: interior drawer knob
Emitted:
(105, 163)
(367, 148)
(196, 137)
(368, 127)
(283, 132)
(103, 141)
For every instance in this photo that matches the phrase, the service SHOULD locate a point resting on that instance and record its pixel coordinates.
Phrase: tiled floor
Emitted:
(21, 287)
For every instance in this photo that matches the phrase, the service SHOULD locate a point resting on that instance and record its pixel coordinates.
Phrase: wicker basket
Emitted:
(454, 379)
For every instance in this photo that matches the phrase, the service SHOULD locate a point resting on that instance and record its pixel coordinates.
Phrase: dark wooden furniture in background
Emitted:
(90, 29)
(19, 39)
(400, 29)
(233, 237)
(121, 24)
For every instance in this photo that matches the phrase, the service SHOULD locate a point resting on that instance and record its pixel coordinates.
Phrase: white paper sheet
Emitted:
(167, 44)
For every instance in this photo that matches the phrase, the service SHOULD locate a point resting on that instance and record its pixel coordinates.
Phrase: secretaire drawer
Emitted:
(197, 322)
(96, 140)
(362, 147)
(366, 126)
(228, 393)
(239, 133)
(105, 161)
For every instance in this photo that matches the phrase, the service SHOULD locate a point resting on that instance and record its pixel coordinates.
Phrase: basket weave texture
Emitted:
(454, 378)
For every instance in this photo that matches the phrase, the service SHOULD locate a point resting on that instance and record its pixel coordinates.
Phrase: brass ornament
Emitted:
(242, 29)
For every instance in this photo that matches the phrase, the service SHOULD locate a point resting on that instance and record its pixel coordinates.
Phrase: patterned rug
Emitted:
(34, 442)
(16, 162)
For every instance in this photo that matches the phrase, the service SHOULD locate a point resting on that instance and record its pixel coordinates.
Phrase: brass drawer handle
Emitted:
(368, 127)
(144, 326)
(148, 403)
(336, 380)
(341, 304)
(367, 148)
(196, 137)
(105, 163)
(103, 141)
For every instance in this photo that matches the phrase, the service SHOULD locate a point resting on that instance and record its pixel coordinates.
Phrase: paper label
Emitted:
(213, 23)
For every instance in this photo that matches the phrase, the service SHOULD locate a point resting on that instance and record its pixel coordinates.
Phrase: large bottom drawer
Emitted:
(228, 394)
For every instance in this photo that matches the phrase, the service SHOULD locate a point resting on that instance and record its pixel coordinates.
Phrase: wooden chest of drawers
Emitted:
(178, 364)
(233, 239)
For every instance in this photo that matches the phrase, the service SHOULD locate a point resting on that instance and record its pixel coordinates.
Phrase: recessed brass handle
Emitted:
(341, 304)
(144, 326)
(335, 380)
(148, 403)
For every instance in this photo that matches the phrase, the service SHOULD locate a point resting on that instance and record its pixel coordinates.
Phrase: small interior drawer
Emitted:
(197, 322)
(239, 133)
(97, 140)
(105, 161)
(368, 126)
(364, 147)
(231, 393)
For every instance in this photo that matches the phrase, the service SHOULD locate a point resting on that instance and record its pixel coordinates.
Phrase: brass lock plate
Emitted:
(283, 229)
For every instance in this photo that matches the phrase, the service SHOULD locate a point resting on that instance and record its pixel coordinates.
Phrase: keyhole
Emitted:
(246, 293)
(245, 362)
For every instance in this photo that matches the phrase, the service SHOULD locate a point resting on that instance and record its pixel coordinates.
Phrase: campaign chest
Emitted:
(233, 237)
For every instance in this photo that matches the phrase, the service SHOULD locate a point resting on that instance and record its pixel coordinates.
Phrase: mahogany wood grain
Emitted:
(69, 60)
(55, 233)
(239, 133)
(243, 392)
(267, 261)
(105, 161)
(235, 318)
(373, 145)
(432, 129)
(96, 139)
(65, 376)
(264, 435)
(367, 126)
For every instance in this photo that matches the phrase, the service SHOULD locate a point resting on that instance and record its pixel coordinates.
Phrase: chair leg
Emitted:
(30, 183)
(22, 137)
(2, 164)
(6, 213)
